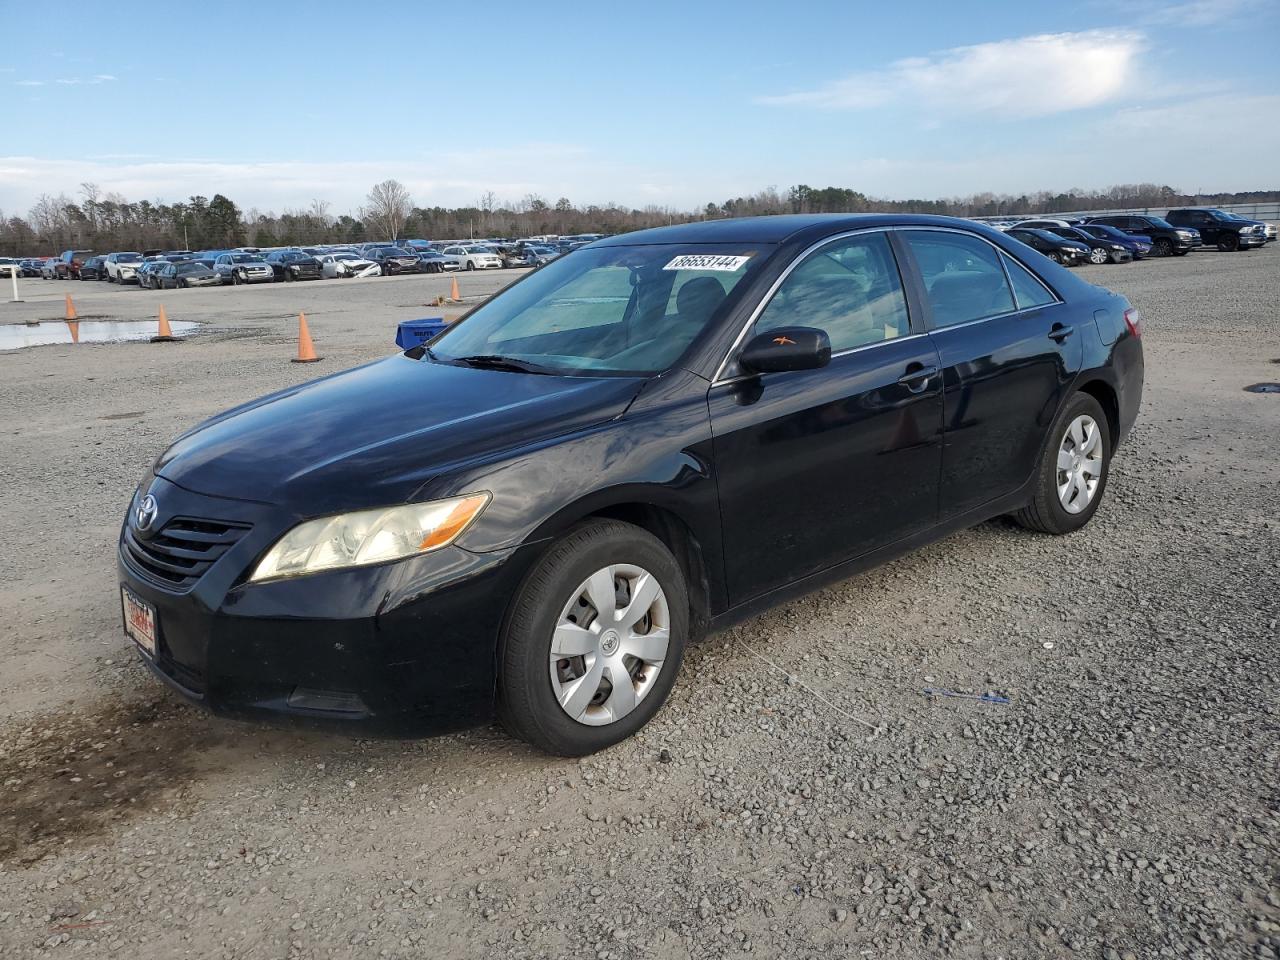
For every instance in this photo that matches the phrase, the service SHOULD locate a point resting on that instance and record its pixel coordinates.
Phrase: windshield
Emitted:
(606, 311)
(128, 258)
(244, 258)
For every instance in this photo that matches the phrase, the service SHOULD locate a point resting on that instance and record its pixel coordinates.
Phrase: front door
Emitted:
(819, 466)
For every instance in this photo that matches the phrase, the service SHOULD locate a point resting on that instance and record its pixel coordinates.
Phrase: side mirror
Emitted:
(786, 348)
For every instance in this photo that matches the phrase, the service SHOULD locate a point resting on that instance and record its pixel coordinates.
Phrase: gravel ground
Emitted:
(1123, 804)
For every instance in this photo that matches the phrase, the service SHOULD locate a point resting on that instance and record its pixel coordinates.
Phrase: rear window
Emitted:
(962, 275)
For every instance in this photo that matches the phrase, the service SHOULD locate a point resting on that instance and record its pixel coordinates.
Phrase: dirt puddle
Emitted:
(16, 336)
(72, 776)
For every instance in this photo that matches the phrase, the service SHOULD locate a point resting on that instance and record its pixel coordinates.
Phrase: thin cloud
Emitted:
(1070, 71)
(70, 81)
(102, 78)
(1197, 13)
(29, 83)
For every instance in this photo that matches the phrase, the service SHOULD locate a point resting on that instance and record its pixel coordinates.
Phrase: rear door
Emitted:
(1008, 350)
(819, 466)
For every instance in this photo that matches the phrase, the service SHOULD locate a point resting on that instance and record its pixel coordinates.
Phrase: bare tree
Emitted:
(388, 208)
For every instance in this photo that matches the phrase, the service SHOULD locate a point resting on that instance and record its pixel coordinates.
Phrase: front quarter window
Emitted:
(620, 311)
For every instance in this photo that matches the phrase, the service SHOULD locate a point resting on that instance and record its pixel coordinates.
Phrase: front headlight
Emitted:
(1117, 246)
(370, 536)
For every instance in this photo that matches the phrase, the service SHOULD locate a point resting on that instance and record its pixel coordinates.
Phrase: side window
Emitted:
(850, 288)
(1028, 291)
(962, 275)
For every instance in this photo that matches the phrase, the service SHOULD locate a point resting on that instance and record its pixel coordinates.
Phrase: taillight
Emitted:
(1133, 320)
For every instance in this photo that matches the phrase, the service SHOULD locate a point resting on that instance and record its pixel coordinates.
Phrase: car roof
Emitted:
(777, 229)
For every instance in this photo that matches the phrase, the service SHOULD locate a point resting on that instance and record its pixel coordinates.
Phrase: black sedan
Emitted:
(392, 260)
(534, 513)
(1069, 253)
(188, 273)
(294, 265)
(430, 261)
(94, 269)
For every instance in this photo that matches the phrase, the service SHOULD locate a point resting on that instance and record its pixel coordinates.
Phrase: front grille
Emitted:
(183, 549)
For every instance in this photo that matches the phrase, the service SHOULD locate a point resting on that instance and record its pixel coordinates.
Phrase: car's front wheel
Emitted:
(594, 639)
(1163, 247)
(1073, 470)
(1098, 255)
(1229, 243)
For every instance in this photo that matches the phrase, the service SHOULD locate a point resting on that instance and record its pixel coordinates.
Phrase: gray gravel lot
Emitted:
(1124, 804)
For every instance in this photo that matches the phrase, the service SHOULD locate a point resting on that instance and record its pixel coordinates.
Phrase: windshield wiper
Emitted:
(494, 361)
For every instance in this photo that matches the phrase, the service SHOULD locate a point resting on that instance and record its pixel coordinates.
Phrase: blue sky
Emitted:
(671, 104)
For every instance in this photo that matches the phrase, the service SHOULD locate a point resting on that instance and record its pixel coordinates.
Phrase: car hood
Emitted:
(375, 434)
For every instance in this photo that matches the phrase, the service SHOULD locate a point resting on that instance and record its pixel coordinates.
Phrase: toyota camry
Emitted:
(532, 515)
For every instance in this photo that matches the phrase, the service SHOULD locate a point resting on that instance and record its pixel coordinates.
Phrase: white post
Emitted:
(14, 274)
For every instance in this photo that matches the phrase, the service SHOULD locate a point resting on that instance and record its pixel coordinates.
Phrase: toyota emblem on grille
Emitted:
(146, 513)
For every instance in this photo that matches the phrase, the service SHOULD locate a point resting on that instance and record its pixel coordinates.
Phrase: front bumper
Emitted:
(1252, 239)
(411, 645)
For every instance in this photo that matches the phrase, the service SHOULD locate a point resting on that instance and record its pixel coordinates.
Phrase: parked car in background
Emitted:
(122, 267)
(1166, 239)
(9, 267)
(432, 261)
(1138, 246)
(29, 267)
(185, 273)
(391, 259)
(146, 271)
(294, 265)
(472, 257)
(1224, 230)
(67, 265)
(347, 263)
(94, 269)
(1271, 230)
(1100, 250)
(52, 269)
(534, 518)
(237, 268)
(1069, 253)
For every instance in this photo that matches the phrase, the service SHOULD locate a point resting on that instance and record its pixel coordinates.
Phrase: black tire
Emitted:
(289, 276)
(1056, 256)
(181, 284)
(471, 264)
(527, 704)
(1045, 513)
(1163, 247)
(236, 279)
(1229, 243)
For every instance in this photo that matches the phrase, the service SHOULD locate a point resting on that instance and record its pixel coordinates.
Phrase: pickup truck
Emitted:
(1226, 230)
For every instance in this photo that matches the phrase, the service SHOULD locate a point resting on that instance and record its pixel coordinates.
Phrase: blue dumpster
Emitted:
(414, 333)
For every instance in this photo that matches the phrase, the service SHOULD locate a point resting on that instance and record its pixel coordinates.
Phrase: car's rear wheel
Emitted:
(1056, 256)
(1163, 247)
(594, 639)
(1228, 243)
(1098, 255)
(1073, 470)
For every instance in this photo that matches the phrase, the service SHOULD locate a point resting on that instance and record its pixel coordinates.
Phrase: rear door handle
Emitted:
(918, 379)
(1060, 333)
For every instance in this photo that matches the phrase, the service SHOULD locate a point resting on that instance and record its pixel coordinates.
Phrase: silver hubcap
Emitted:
(609, 644)
(1080, 462)
(1098, 255)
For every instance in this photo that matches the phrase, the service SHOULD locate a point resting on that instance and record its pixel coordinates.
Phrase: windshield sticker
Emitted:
(707, 261)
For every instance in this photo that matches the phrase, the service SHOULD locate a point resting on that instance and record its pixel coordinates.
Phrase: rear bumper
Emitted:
(403, 649)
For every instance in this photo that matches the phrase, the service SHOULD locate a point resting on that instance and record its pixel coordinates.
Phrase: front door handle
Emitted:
(1059, 332)
(917, 377)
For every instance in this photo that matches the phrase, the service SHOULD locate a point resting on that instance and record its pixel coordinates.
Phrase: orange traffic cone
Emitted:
(454, 295)
(74, 327)
(71, 309)
(306, 349)
(165, 334)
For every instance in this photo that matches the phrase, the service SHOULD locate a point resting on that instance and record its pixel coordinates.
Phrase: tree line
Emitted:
(103, 222)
